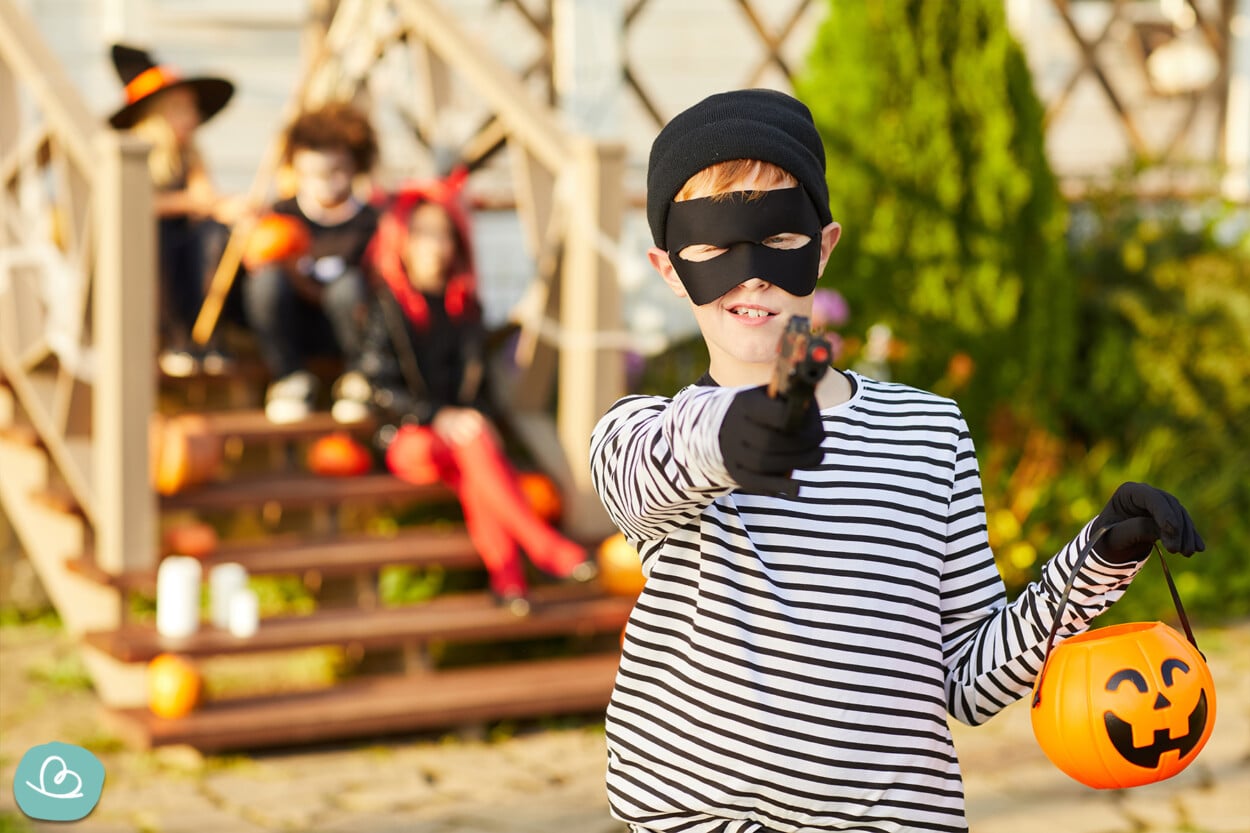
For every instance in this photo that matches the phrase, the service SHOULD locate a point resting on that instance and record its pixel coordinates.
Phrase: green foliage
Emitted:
(1162, 396)
(62, 674)
(13, 822)
(953, 224)
(398, 585)
(1114, 349)
(1165, 349)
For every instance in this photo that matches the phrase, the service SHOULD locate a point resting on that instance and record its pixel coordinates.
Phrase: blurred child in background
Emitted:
(167, 110)
(307, 306)
(421, 369)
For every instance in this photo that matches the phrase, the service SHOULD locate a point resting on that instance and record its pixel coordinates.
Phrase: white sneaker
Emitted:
(178, 363)
(290, 399)
(349, 411)
(352, 394)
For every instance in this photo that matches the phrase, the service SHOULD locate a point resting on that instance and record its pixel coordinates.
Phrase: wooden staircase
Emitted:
(79, 391)
(412, 692)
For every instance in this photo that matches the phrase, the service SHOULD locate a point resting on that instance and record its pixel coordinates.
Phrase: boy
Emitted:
(818, 601)
(313, 306)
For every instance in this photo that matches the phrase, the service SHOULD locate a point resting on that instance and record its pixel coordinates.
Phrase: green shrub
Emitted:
(1165, 352)
(952, 221)
(1115, 348)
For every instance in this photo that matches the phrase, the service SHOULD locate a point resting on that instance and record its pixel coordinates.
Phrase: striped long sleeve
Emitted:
(791, 662)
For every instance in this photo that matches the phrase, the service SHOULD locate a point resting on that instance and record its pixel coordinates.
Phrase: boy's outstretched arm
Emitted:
(656, 462)
(993, 650)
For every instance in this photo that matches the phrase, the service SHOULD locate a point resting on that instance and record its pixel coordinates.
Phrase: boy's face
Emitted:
(324, 176)
(743, 325)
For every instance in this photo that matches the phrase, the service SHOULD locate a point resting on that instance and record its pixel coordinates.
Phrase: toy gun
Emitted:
(802, 360)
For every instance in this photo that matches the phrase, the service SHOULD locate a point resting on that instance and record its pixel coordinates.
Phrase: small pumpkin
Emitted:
(620, 567)
(339, 455)
(541, 494)
(185, 452)
(194, 538)
(1123, 706)
(174, 686)
(276, 237)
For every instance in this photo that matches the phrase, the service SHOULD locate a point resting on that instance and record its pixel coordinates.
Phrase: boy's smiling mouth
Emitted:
(751, 312)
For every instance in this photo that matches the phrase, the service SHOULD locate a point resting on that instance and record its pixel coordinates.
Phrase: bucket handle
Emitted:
(1067, 591)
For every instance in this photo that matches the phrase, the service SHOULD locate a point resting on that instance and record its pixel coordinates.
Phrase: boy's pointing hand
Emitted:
(758, 452)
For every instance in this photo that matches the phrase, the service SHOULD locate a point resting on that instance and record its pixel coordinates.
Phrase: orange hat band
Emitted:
(148, 82)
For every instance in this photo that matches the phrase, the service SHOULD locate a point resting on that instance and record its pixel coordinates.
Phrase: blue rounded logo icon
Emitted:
(58, 782)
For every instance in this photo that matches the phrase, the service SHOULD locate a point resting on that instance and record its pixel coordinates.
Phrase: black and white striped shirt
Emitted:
(791, 662)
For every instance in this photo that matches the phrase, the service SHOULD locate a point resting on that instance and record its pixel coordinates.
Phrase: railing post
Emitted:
(1237, 112)
(591, 377)
(124, 327)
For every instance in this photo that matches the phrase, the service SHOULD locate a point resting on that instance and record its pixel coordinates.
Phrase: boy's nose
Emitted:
(755, 283)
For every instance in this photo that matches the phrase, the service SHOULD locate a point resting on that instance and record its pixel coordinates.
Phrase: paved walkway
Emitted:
(552, 781)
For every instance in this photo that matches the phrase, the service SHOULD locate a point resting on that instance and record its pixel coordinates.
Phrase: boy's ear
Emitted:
(660, 261)
(829, 236)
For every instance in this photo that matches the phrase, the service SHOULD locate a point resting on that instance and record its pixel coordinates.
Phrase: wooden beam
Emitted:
(1090, 60)
(772, 44)
(1236, 110)
(644, 98)
(591, 378)
(534, 125)
(124, 328)
(633, 11)
(26, 54)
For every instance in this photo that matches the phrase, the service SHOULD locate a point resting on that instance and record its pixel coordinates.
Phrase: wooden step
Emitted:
(300, 490)
(292, 490)
(469, 617)
(385, 705)
(330, 556)
(251, 425)
(250, 369)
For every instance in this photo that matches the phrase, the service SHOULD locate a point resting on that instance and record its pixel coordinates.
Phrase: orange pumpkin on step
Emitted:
(339, 455)
(620, 567)
(185, 452)
(541, 494)
(276, 237)
(194, 538)
(174, 686)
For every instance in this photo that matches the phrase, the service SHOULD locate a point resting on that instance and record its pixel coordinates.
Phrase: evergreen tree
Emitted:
(953, 226)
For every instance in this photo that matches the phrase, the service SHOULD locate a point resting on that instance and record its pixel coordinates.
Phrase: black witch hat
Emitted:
(143, 79)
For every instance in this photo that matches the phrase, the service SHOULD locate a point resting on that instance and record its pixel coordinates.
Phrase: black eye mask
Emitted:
(740, 226)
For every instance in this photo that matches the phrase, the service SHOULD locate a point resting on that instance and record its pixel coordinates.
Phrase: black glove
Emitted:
(1136, 516)
(758, 452)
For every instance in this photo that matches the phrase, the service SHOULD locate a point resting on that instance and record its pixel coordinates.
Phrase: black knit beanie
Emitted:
(743, 124)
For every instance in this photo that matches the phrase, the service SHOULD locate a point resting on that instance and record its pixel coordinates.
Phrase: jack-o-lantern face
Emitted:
(1125, 705)
(1162, 739)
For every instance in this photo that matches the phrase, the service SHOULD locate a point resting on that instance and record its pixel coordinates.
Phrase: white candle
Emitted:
(224, 580)
(178, 596)
(244, 613)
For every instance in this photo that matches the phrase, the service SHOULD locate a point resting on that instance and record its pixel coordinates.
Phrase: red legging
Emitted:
(496, 514)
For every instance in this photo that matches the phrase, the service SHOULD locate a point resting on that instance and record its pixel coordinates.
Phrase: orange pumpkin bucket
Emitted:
(1124, 705)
